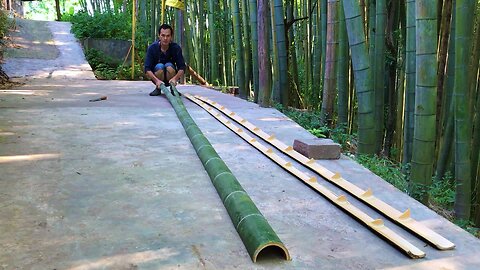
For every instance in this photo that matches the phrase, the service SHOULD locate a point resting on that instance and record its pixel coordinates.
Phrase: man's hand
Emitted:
(159, 83)
(173, 81)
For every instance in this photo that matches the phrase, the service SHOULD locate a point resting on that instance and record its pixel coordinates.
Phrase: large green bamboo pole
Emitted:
(280, 42)
(247, 46)
(307, 52)
(410, 71)
(190, 55)
(363, 77)
(379, 67)
(400, 109)
(257, 235)
(473, 80)
(229, 74)
(201, 37)
(237, 34)
(323, 40)
(153, 19)
(254, 33)
(423, 154)
(463, 123)
(342, 70)
(212, 8)
(476, 151)
(276, 97)
(371, 36)
(264, 67)
(316, 54)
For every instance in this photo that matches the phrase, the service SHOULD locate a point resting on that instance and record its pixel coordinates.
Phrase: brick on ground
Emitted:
(318, 148)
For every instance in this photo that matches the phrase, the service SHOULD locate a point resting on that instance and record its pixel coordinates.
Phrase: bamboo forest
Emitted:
(400, 78)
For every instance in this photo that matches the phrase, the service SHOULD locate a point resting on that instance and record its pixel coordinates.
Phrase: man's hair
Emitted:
(165, 26)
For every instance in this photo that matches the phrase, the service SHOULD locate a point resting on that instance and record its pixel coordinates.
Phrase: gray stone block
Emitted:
(318, 148)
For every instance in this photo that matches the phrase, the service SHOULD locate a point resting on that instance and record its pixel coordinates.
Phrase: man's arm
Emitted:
(154, 78)
(149, 61)
(177, 77)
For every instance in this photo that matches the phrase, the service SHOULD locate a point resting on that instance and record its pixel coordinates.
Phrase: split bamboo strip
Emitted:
(402, 218)
(341, 201)
(257, 235)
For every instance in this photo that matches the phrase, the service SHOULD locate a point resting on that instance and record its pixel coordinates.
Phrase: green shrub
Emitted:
(310, 120)
(442, 192)
(100, 65)
(103, 70)
(4, 23)
(386, 169)
(125, 72)
(101, 25)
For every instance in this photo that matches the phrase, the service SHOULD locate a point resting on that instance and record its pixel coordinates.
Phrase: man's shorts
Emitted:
(163, 67)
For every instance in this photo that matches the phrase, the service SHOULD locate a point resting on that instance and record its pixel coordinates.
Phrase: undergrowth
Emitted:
(441, 193)
(104, 70)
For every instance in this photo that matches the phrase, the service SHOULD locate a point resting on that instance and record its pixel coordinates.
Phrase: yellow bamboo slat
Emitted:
(341, 201)
(411, 224)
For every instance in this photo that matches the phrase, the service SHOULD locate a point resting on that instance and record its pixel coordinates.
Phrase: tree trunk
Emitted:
(237, 34)
(281, 46)
(363, 78)
(201, 37)
(318, 53)
(476, 152)
(213, 42)
(446, 141)
(229, 74)
(295, 96)
(393, 71)
(253, 29)
(57, 9)
(425, 96)
(410, 74)
(264, 68)
(442, 58)
(463, 123)
(342, 69)
(276, 94)
(379, 77)
(247, 49)
(329, 92)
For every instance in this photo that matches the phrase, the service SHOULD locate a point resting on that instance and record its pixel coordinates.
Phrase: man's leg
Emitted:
(170, 71)
(159, 72)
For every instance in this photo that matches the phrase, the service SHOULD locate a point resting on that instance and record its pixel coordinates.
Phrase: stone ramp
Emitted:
(45, 50)
(116, 184)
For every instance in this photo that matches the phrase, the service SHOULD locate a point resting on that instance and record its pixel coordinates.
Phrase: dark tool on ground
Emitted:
(98, 99)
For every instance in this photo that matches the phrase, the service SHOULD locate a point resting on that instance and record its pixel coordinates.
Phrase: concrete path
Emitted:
(116, 184)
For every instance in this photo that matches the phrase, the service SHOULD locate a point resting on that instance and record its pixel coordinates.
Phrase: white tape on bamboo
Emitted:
(424, 232)
(341, 201)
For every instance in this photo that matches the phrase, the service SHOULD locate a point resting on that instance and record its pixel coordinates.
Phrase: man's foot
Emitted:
(156, 92)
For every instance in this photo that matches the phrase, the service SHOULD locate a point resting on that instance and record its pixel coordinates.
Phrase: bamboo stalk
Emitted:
(257, 235)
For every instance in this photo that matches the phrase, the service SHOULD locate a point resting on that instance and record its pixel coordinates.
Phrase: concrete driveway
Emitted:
(116, 184)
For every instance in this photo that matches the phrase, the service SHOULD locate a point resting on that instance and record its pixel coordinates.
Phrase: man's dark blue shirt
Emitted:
(172, 55)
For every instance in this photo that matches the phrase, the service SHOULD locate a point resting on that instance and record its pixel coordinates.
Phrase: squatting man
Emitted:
(164, 63)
